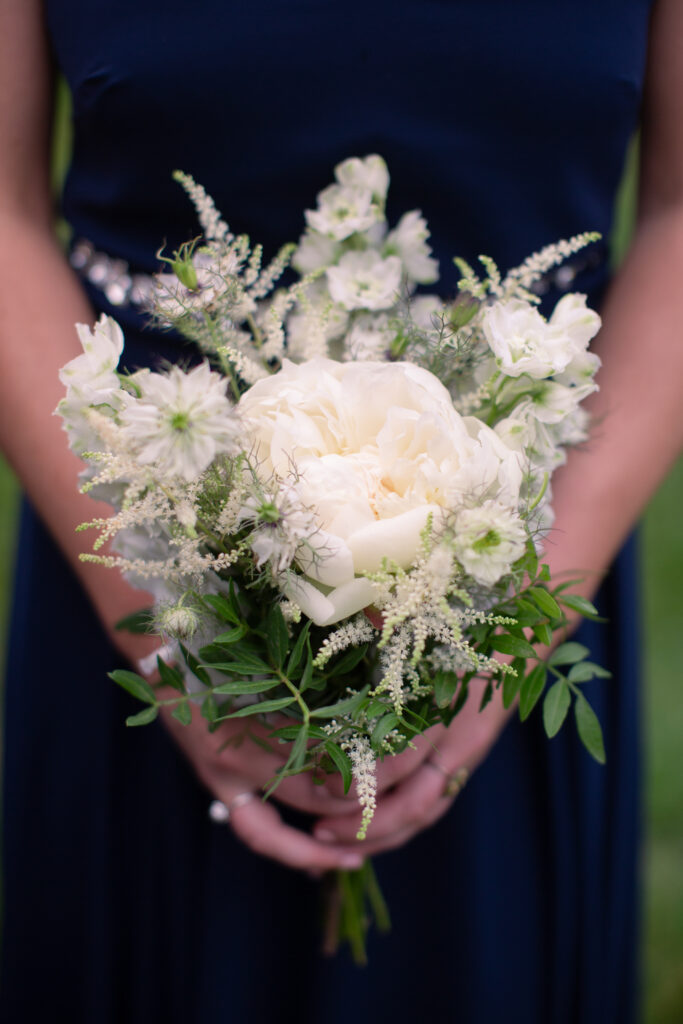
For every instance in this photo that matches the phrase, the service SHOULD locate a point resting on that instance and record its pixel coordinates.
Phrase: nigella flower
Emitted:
(180, 421)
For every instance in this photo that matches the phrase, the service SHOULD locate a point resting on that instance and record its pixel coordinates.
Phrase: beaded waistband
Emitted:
(122, 288)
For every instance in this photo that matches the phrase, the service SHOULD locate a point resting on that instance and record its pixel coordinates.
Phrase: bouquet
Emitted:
(340, 508)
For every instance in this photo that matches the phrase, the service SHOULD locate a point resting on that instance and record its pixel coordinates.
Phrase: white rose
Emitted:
(524, 342)
(363, 280)
(375, 449)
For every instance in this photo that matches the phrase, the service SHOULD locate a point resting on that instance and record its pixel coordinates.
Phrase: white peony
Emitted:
(180, 421)
(363, 280)
(375, 449)
(524, 342)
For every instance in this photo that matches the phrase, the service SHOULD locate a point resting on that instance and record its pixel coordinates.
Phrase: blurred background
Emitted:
(661, 556)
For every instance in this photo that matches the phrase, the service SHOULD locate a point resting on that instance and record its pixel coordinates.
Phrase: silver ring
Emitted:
(220, 813)
(455, 781)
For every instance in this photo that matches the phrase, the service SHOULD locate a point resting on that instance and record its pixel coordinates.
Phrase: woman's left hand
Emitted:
(413, 786)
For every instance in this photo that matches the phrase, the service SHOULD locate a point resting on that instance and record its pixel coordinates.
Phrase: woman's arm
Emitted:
(40, 301)
(638, 432)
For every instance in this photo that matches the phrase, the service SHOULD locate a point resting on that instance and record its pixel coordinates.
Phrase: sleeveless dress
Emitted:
(507, 123)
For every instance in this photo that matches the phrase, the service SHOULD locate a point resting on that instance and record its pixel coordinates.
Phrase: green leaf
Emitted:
(143, 717)
(547, 604)
(277, 637)
(589, 728)
(182, 713)
(342, 707)
(210, 708)
(297, 650)
(223, 608)
(544, 574)
(240, 686)
(375, 708)
(531, 689)
(348, 661)
(525, 613)
(445, 685)
(307, 674)
(263, 708)
(290, 732)
(384, 726)
(194, 666)
(296, 759)
(555, 707)
(543, 633)
(170, 676)
(242, 667)
(580, 604)
(139, 622)
(515, 645)
(134, 684)
(341, 761)
(511, 687)
(567, 654)
(486, 695)
(231, 636)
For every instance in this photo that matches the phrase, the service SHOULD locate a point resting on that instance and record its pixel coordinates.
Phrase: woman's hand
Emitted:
(412, 787)
(230, 763)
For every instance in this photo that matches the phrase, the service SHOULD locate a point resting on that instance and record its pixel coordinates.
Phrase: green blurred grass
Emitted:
(662, 601)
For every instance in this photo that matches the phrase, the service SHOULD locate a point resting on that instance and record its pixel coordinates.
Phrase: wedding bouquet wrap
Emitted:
(340, 509)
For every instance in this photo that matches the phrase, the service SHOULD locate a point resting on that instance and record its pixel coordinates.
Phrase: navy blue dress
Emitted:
(507, 122)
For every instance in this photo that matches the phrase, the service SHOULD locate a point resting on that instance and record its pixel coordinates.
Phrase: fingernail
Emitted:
(351, 860)
(325, 835)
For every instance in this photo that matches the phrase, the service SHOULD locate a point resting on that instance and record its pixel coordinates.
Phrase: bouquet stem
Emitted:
(353, 903)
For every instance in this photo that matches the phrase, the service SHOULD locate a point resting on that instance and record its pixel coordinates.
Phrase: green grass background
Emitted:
(662, 604)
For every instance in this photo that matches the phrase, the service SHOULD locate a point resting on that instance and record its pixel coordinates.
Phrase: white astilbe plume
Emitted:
(541, 262)
(213, 226)
(352, 634)
(363, 766)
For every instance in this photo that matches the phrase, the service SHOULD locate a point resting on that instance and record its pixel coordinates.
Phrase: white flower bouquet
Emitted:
(340, 510)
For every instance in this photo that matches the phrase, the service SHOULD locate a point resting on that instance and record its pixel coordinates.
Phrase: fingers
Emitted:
(414, 804)
(261, 828)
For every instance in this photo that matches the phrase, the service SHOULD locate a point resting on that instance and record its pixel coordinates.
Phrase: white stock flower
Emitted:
(363, 280)
(181, 421)
(369, 337)
(370, 172)
(376, 449)
(314, 251)
(343, 210)
(487, 540)
(524, 342)
(408, 240)
(91, 378)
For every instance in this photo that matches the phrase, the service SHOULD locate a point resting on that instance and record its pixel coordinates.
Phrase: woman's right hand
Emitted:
(230, 763)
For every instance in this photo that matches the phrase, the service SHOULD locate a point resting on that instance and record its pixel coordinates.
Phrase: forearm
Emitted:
(638, 412)
(42, 300)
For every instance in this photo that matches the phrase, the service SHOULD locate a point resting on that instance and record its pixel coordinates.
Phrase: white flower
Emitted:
(363, 280)
(377, 449)
(343, 210)
(487, 540)
(423, 309)
(409, 241)
(282, 526)
(369, 337)
(370, 173)
(525, 343)
(315, 250)
(181, 421)
(90, 378)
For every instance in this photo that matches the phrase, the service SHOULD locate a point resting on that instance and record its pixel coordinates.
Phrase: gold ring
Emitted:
(455, 782)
